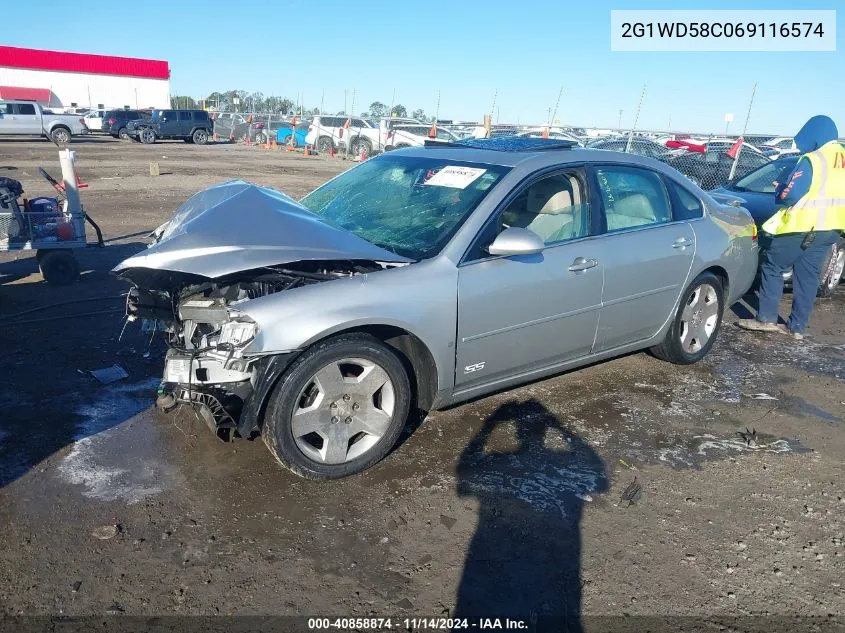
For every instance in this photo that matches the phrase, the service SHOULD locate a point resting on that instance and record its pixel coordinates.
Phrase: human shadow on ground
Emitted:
(524, 561)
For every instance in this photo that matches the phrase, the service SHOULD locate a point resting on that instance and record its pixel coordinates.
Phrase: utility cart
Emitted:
(54, 227)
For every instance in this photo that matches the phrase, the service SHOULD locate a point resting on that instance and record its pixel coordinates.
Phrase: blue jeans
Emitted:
(785, 251)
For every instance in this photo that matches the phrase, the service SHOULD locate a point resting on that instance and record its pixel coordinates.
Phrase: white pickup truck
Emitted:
(26, 118)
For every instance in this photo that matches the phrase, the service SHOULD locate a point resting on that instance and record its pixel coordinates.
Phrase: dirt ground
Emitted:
(508, 505)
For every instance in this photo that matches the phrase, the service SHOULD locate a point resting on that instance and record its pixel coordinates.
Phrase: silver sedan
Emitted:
(425, 277)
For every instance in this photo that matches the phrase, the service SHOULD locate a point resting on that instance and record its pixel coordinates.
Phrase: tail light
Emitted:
(82, 121)
(112, 121)
(754, 232)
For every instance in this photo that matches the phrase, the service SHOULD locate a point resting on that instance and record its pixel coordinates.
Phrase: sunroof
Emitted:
(512, 144)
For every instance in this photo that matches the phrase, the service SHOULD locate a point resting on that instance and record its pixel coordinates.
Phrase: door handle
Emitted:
(681, 242)
(581, 264)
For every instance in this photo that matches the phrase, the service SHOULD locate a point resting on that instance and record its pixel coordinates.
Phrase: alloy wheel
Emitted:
(343, 411)
(699, 318)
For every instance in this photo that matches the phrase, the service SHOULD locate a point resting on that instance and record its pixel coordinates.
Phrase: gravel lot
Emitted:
(508, 505)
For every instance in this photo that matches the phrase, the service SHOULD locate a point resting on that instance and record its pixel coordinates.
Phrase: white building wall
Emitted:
(90, 90)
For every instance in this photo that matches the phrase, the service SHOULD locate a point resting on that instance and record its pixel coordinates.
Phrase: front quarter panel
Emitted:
(419, 298)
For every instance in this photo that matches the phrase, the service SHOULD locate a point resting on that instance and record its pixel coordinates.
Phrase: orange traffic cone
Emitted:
(331, 151)
(307, 151)
(363, 154)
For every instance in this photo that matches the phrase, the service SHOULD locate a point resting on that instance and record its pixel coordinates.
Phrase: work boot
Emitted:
(785, 330)
(757, 326)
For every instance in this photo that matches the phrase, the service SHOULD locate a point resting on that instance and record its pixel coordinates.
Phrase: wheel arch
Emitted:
(723, 276)
(413, 353)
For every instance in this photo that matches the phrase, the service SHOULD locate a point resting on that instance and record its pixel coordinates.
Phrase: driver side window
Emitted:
(555, 207)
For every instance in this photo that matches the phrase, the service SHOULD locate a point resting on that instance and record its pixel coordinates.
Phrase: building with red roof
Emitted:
(80, 80)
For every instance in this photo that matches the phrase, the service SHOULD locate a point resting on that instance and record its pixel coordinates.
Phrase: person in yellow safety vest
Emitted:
(810, 220)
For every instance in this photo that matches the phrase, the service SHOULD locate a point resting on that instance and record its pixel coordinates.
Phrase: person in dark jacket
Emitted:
(808, 223)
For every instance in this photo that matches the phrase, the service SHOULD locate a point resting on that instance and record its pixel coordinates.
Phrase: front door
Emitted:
(646, 252)
(519, 314)
(28, 120)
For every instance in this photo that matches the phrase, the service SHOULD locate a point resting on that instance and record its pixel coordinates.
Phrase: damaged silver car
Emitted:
(423, 278)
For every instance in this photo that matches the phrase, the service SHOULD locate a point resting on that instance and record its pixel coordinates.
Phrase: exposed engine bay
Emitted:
(207, 336)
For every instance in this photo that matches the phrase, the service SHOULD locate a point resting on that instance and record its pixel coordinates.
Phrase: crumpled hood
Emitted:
(237, 226)
(816, 132)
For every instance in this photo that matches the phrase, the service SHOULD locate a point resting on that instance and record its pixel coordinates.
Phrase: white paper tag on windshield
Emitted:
(455, 177)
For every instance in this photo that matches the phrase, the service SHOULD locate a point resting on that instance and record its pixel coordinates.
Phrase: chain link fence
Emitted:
(709, 163)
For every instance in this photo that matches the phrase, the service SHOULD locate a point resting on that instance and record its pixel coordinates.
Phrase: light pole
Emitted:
(619, 124)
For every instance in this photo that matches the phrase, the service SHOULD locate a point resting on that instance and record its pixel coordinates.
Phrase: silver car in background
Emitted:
(425, 277)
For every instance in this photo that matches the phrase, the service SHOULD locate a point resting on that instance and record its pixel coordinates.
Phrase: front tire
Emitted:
(339, 408)
(260, 138)
(696, 323)
(147, 136)
(832, 269)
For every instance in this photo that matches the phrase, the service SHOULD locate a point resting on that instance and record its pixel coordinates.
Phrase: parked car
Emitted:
(362, 135)
(27, 118)
(712, 168)
(641, 146)
(283, 134)
(554, 133)
(191, 126)
(94, 120)
(426, 277)
(780, 144)
(756, 192)
(230, 124)
(114, 121)
(404, 135)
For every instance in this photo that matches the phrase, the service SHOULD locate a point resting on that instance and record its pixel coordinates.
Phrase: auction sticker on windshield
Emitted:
(455, 177)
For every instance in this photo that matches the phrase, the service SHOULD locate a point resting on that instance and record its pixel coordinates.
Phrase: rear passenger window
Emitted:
(685, 206)
(632, 197)
(200, 116)
(184, 116)
(26, 108)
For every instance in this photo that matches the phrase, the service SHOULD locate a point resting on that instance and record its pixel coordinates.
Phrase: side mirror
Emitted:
(516, 241)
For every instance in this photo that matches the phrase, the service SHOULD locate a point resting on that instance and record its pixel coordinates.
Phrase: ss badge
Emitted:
(475, 367)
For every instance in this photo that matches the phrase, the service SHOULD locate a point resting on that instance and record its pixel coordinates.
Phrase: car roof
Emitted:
(556, 152)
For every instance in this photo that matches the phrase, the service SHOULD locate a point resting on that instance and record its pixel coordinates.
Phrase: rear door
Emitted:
(28, 119)
(646, 254)
(186, 123)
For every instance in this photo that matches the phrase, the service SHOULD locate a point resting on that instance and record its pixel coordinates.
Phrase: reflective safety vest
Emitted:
(822, 208)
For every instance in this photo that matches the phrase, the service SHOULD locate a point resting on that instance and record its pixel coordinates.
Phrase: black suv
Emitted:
(114, 121)
(192, 126)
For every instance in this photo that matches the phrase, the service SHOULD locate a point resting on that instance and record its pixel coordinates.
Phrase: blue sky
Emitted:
(466, 51)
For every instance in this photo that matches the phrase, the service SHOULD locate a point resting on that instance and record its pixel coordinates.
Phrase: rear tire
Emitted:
(324, 145)
(123, 135)
(314, 385)
(60, 135)
(59, 267)
(357, 144)
(696, 323)
(200, 137)
(260, 138)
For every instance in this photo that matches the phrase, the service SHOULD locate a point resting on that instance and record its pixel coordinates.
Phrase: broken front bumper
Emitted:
(229, 400)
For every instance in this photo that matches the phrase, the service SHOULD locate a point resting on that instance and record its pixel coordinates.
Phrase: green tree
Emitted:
(182, 103)
(378, 109)
(286, 106)
(418, 114)
(341, 113)
(400, 111)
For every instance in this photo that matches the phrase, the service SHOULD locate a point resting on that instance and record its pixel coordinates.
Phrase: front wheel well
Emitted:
(415, 355)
